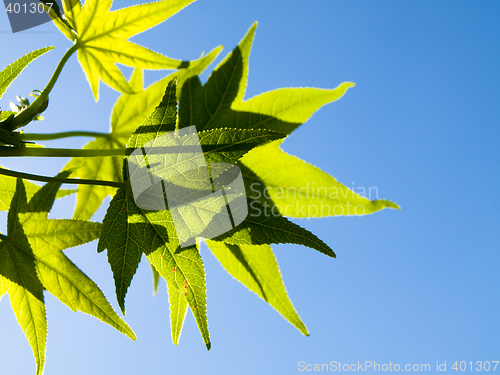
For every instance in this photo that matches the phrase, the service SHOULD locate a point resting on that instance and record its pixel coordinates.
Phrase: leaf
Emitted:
(178, 309)
(219, 102)
(156, 279)
(154, 230)
(101, 36)
(52, 8)
(6, 114)
(268, 170)
(8, 189)
(263, 226)
(124, 237)
(157, 240)
(182, 270)
(295, 188)
(18, 274)
(31, 260)
(257, 269)
(10, 73)
(128, 113)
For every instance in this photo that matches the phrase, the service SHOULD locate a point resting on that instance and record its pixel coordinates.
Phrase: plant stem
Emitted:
(29, 176)
(52, 136)
(26, 115)
(60, 152)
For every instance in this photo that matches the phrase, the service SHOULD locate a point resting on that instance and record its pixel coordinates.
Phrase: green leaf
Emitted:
(13, 70)
(156, 279)
(219, 102)
(101, 36)
(128, 113)
(154, 231)
(8, 189)
(6, 114)
(298, 189)
(183, 271)
(229, 145)
(158, 237)
(178, 309)
(257, 269)
(52, 8)
(157, 233)
(263, 226)
(18, 274)
(123, 236)
(31, 260)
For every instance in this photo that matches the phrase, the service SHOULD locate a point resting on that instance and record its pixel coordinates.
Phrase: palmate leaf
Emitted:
(219, 102)
(101, 37)
(257, 269)
(10, 73)
(128, 113)
(157, 234)
(295, 188)
(153, 232)
(31, 261)
(228, 128)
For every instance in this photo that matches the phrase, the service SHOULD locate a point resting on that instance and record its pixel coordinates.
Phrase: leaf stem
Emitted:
(6, 151)
(26, 115)
(34, 177)
(52, 136)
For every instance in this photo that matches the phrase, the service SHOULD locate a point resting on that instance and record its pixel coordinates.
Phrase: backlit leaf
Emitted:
(219, 102)
(298, 189)
(101, 37)
(128, 113)
(31, 261)
(257, 269)
(10, 73)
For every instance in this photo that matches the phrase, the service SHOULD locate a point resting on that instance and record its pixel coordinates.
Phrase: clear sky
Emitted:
(414, 286)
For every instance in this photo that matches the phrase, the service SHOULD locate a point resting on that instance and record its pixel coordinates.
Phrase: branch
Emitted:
(52, 136)
(6, 151)
(26, 115)
(34, 177)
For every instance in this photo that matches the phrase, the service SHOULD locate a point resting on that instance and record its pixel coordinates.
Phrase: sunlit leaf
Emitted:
(101, 37)
(219, 102)
(10, 73)
(128, 113)
(257, 269)
(295, 188)
(31, 261)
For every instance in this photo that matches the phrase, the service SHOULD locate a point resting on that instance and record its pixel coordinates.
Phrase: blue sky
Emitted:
(414, 286)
